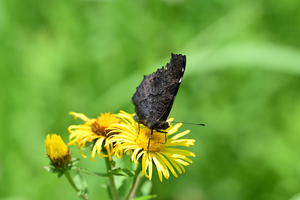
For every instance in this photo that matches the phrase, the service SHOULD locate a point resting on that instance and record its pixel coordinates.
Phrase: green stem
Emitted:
(135, 182)
(68, 176)
(111, 179)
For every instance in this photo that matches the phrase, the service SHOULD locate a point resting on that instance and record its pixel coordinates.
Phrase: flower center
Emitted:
(157, 142)
(98, 129)
(103, 122)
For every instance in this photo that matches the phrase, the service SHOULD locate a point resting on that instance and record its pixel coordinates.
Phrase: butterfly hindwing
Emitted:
(155, 95)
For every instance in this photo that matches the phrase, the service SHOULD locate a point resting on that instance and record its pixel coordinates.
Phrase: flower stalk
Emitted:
(111, 179)
(135, 182)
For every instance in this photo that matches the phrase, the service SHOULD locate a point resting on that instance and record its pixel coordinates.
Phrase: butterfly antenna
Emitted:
(189, 123)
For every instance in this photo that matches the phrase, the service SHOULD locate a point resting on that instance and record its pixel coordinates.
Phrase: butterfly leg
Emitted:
(165, 132)
(149, 144)
(138, 131)
(149, 140)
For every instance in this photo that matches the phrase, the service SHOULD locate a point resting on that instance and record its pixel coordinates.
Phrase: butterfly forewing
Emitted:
(155, 95)
(176, 70)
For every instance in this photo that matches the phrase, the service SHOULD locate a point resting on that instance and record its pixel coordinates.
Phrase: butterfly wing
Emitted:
(155, 95)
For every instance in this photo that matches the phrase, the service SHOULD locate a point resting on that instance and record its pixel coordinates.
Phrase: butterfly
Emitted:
(155, 96)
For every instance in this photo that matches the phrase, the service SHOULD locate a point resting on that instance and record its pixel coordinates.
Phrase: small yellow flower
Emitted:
(158, 152)
(94, 130)
(57, 150)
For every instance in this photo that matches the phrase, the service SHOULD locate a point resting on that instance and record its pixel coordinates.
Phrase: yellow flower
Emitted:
(158, 152)
(57, 150)
(94, 130)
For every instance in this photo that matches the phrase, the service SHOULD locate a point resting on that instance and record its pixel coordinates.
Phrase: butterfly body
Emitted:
(155, 96)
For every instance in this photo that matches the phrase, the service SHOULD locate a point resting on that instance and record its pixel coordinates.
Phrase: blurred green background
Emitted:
(242, 79)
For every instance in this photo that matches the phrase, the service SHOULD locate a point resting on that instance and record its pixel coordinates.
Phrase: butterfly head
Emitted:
(157, 125)
(151, 124)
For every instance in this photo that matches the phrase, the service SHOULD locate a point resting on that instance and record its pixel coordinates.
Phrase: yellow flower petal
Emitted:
(80, 116)
(179, 135)
(168, 164)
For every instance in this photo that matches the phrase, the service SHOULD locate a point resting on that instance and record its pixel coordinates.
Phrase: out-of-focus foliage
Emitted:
(242, 79)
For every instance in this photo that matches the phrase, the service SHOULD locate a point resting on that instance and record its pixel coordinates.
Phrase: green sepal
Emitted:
(50, 169)
(61, 170)
(60, 173)
(55, 170)
(82, 192)
(122, 172)
(112, 163)
(74, 161)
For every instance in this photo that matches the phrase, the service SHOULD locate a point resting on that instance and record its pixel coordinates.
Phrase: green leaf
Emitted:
(122, 185)
(146, 187)
(109, 188)
(122, 172)
(82, 169)
(146, 197)
(80, 181)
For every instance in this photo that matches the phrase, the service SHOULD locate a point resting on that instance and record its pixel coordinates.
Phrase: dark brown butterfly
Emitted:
(155, 96)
